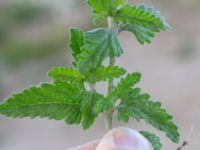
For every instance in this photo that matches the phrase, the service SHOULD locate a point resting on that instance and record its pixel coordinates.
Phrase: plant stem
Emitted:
(109, 113)
(111, 81)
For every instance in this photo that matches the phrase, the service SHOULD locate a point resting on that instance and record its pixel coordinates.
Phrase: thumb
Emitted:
(89, 146)
(123, 138)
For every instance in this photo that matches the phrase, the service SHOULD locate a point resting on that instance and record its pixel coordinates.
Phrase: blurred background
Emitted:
(34, 38)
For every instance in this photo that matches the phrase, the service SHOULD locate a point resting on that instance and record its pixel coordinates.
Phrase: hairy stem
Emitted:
(109, 113)
(111, 81)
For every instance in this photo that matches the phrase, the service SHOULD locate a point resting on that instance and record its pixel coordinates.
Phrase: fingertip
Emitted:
(123, 138)
(89, 146)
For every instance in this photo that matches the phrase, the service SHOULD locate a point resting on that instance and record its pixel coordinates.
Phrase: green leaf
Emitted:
(65, 99)
(119, 91)
(104, 73)
(103, 104)
(141, 33)
(98, 44)
(153, 139)
(76, 42)
(139, 106)
(142, 20)
(161, 24)
(122, 115)
(104, 8)
(73, 115)
(48, 100)
(60, 100)
(89, 101)
(126, 83)
(63, 74)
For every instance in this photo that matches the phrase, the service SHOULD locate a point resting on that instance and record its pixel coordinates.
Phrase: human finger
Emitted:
(89, 146)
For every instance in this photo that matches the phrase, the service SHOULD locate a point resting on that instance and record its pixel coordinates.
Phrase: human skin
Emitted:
(120, 138)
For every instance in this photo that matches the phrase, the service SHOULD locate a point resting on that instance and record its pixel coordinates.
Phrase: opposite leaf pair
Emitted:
(91, 48)
(142, 20)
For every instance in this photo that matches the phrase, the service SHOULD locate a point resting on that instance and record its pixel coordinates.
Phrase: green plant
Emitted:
(69, 98)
